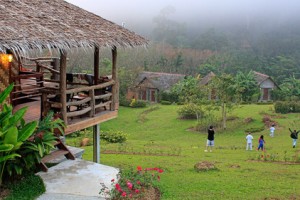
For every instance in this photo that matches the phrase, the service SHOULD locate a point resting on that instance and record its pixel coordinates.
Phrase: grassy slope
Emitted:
(161, 132)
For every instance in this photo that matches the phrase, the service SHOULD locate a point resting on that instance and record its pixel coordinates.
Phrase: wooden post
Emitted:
(96, 143)
(96, 65)
(55, 64)
(115, 93)
(63, 84)
(92, 102)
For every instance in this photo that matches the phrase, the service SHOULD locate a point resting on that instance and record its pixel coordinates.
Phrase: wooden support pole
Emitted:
(63, 84)
(96, 143)
(96, 65)
(115, 90)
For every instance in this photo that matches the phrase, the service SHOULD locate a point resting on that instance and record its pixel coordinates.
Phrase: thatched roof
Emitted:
(162, 81)
(28, 24)
(205, 80)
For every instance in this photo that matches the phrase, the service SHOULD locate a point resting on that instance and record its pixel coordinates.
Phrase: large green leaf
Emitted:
(4, 115)
(9, 157)
(6, 92)
(11, 137)
(17, 146)
(6, 147)
(17, 116)
(27, 131)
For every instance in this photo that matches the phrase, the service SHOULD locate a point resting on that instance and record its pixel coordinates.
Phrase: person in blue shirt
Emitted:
(261, 143)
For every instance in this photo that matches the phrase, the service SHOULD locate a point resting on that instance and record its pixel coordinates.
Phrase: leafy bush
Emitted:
(190, 111)
(124, 102)
(287, 107)
(169, 96)
(113, 136)
(138, 104)
(255, 129)
(165, 102)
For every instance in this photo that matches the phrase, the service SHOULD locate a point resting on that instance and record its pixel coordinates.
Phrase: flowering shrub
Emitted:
(133, 183)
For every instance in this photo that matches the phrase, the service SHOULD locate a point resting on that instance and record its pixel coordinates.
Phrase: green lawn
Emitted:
(158, 139)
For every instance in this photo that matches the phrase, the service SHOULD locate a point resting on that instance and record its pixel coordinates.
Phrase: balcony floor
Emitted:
(74, 123)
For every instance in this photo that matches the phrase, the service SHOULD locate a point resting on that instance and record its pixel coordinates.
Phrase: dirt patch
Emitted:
(4, 192)
(235, 166)
(204, 166)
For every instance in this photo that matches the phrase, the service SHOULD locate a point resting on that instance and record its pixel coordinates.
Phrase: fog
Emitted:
(138, 15)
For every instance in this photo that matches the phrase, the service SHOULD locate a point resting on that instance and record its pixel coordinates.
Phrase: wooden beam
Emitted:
(90, 122)
(96, 65)
(115, 99)
(63, 84)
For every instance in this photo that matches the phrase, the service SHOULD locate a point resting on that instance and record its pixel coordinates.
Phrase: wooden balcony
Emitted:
(85, 106)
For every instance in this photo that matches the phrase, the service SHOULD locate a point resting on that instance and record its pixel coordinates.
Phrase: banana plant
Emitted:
(13, 132)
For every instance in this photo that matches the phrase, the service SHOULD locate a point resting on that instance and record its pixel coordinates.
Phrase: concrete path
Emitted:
(77, 180)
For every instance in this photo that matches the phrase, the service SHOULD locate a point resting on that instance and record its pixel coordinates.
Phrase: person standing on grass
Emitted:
(261, 143)
(294, 136)
(272, 129)
(210, 139)
(249, 139)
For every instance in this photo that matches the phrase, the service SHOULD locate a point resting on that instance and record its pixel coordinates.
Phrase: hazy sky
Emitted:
(140, 12)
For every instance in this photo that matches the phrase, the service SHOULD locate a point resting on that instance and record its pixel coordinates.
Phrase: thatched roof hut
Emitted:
(27, 24)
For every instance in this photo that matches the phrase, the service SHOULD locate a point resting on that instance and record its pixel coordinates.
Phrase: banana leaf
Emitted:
(6, 147)
(11, 137)
(6, 92)
(27, 131)
(9, 157)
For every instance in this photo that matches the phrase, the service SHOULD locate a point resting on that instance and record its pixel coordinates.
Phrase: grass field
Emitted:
(156, 138)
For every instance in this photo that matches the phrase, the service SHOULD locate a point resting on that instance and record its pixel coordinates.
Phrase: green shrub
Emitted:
(189, 111)
(168, 96)
(165, 102)
(113, 136)
(124, 102)
(255, 129)
(281, 107)
(138, 104)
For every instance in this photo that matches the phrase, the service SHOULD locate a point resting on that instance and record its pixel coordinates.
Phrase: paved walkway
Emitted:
(77, 180)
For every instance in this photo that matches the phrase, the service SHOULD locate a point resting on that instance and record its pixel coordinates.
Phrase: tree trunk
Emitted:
(224, 115)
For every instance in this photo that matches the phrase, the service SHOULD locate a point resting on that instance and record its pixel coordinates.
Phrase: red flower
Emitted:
(137, 191)
(160, 170)
(130, 195)
(139, 168)
(118, 187)
(158, 178)
(138, 182)
(112, 180)
(124, 194)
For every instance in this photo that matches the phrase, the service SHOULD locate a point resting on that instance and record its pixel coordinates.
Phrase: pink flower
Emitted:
(129, 185)
(158, 178)
(160, 171)
(138, 182)
(136, 191)
(130, 195)
(124, 194)
(139, 168)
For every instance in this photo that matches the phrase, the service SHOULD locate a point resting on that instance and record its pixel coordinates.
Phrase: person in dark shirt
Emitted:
(210, 139)
(294, 136)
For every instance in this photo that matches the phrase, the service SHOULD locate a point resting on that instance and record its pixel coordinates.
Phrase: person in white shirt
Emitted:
(249, 139)
(272, 129)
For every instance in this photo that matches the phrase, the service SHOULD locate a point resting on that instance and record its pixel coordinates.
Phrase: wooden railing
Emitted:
(27, 86)
(98, 96)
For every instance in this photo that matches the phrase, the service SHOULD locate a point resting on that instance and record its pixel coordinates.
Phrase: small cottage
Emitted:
(150, 84)
(266, 85)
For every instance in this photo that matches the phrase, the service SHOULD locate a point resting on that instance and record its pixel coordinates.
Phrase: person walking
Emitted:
(272, 130)
(294, 136)
(210, 139)
(261, 143)
(249, 139)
